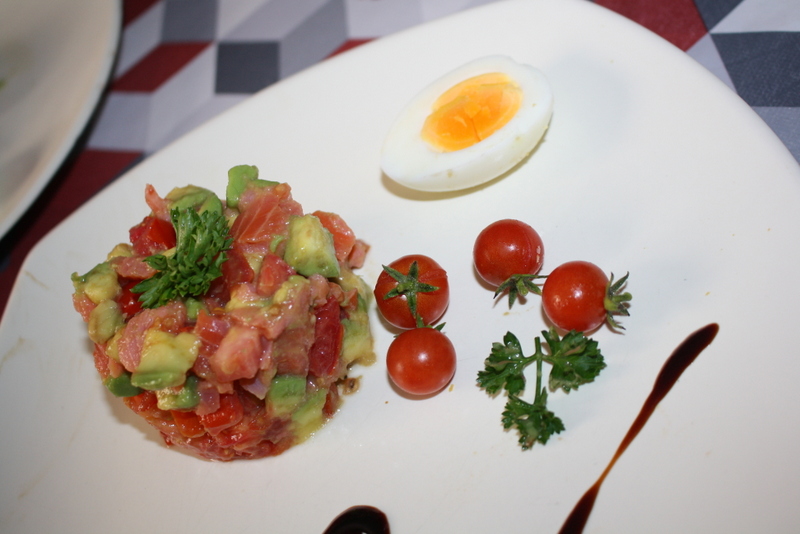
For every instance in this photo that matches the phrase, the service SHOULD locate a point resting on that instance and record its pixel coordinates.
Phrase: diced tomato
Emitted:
(128, 300)
(274, 272)
(101, 361)
(230, 412)
(188, 423)
(152, 236)
(210, 328)
(328, 335)
(343, 237)
(235, 269)
(143, 403)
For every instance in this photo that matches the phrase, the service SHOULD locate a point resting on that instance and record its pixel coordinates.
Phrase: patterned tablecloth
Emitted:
(183, 61)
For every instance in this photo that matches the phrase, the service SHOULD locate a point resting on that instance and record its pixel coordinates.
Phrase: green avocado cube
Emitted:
(239, 178)
(180, 398)
(310, 249)
(121, 386)
(286, 392)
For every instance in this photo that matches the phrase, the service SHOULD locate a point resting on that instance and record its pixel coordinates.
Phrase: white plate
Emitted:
(651, 165)
(55, 58)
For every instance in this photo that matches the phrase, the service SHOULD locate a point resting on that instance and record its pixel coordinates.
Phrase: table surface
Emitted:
(181, 63)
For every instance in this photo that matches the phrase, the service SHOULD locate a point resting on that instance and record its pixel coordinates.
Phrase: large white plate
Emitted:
(55, 58)
(651, 165)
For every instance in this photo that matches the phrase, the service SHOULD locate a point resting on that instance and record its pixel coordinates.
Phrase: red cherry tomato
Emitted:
(506, 248)
(421, 361)
(430, 304)
(573, 296)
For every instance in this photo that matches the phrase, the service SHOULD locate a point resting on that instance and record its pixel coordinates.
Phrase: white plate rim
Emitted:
(767, 144)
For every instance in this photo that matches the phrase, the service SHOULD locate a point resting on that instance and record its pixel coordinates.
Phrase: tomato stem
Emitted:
(409, 286)
(519, 285)
(538, 355)
(615, 302)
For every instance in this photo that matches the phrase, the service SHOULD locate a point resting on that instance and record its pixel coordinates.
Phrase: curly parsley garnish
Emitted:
(575, 360)
(187, 270)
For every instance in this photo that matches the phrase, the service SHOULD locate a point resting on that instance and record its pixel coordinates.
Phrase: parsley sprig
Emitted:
(201, 241)
(575, 360)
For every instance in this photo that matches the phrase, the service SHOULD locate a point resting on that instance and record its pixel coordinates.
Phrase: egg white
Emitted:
(410, 161)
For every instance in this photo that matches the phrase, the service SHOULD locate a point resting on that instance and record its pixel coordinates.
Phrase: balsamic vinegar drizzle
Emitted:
(370, 520)
(359, 520)
(675, 365)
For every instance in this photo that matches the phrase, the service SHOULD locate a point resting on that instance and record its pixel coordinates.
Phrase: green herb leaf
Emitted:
(576, 360)
(202, 239)
(534, 421)
(504, 367)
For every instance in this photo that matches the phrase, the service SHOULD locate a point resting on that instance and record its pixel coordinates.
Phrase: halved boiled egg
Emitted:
(469, 126)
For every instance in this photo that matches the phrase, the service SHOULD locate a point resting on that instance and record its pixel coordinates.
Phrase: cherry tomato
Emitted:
(573, 296)
(421, 361)
(506, 248)
(430, 305)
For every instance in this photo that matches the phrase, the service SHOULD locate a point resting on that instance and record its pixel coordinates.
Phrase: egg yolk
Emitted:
(471, 111)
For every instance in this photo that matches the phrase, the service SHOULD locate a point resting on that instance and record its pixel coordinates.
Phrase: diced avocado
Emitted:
(308, 418)
(243, 297)
(309, 248)
(288, 290)
(286, 392)
(193, 307)
(165, 359)
(357, 344)
(179, 398)
(121, 250)
(104, 321)
(112, 347)
(99, 284)
(193, 196)
(121, 386)
(239, 178)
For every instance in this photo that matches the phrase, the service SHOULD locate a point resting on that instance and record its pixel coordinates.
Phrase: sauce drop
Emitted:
(675, 365)
(359, 520)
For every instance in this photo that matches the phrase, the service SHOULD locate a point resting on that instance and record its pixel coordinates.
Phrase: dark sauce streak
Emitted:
(677, 363)
(359, 520)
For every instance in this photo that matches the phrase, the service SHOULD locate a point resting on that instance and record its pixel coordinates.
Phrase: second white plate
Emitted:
(55, 59)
